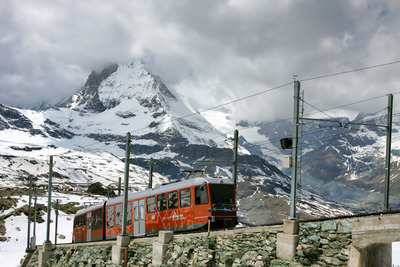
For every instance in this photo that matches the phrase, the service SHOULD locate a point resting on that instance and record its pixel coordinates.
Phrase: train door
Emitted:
(88, 224)
(201, 206)
(138, 217)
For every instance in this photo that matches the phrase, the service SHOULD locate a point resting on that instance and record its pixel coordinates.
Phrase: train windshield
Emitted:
(222, 197)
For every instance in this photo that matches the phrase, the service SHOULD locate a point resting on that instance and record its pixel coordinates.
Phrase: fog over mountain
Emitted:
(212, 52)
(128, 98)
(86, 135)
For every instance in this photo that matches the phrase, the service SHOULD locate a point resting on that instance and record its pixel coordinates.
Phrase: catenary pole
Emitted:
(29, 215)
(235, 157)
(49, 199)
(388, 150)
(126, 182)
(34, 221)
(295, 142)
(56, 226)
(151, 173)
(119, 186)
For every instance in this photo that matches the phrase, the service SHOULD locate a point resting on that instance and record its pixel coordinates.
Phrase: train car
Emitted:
(180, 206)
(88, 224)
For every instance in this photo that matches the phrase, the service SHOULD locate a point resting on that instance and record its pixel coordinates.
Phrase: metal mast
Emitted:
(388, 150)
(295, 142)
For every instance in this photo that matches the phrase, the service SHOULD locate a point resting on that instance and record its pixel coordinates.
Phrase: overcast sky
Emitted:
(212, 52)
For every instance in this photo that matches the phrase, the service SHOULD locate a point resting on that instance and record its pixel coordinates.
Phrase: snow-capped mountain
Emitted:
(342, 160)
(127, 97)
(342, 168)
(86, 136)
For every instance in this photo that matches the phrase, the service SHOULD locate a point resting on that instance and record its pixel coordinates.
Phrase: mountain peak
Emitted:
(88, 97)
(127, 95)
(117, 83)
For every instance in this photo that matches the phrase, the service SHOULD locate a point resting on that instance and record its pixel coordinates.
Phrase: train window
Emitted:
(97, 219)
(141, 213)
(222, 196)
(93, 219)
(173, 200)
(118, 215)
(201, 195)
(185, 197)
(88, 222)
(161, 202)
(151, 204)
(110, 216)
(135, 214)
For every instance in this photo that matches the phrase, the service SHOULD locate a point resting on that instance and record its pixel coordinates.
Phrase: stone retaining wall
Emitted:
(320, 244)
(324, 243)
(241, 249)
(139, 254)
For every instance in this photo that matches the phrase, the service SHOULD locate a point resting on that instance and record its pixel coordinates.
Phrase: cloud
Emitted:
(212, 52)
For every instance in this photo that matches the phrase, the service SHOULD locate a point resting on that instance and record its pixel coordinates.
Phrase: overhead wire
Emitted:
(311, 132)
(308, 144)
(312, 113)
(349, 71)
(269, 90)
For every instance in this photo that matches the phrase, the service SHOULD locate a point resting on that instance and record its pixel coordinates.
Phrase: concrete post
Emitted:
(45, 253)
(287, 241)
(118, 250)
(160, 247)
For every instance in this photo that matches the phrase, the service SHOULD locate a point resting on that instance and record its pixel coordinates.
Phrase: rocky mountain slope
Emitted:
(344, 164)
(86, 136)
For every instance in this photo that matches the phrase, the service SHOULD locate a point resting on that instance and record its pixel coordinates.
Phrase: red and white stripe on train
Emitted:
(180, 206)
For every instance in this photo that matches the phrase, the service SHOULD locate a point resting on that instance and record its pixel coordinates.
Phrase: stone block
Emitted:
(328, 226)
(123, 240)
(159, 250)
(312, 225)
(165, 236)
(47, 246)
(286, 246)
(118, 254)
(291, 227)
(344, 227)
(43, 257)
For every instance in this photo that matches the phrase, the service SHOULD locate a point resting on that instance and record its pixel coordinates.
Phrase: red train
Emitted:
(181, 206)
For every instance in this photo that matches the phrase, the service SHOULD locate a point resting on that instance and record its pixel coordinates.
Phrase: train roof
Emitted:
(161, 189)
(91, 207)
(170, 187)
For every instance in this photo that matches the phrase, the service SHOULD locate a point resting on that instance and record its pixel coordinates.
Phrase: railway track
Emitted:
(354, 215)
(246, 225)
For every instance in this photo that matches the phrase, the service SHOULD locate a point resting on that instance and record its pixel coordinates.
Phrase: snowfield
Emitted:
(13, 250)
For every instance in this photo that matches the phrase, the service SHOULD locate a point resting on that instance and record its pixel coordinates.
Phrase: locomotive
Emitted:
(182, 206)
